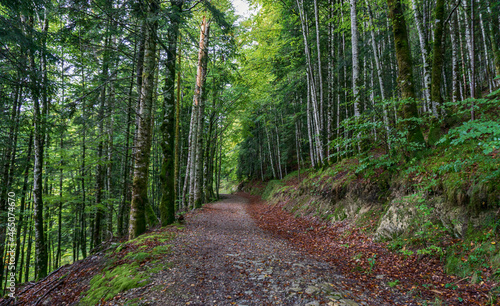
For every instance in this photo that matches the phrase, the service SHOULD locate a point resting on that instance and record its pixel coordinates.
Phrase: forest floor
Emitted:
(223, 257)
(241, 251)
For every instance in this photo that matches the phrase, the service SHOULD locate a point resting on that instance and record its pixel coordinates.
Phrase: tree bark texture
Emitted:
(168, 145)
(405, 75)
(137, 224)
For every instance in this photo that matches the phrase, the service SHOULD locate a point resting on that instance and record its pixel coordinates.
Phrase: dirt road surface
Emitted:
(223, 258)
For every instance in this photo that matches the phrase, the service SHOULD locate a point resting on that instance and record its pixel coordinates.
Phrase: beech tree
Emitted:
(140, 201)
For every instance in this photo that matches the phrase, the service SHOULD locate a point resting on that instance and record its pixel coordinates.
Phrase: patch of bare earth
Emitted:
(223, 258)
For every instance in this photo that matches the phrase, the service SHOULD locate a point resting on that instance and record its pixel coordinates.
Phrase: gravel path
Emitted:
(223, 258)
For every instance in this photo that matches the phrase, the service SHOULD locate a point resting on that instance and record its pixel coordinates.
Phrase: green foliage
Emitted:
(476, 252)
(391, 136)
(271, 188)
(371, 261)
(484, 133)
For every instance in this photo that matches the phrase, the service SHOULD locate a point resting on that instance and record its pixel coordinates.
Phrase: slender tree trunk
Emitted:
(30, 241)
(315, 120)
(121, 210)
(463, 55)
(279, 152)
(8, 165)
(379, 74)
(109, 166)
(96, 233)
(59, 214)
(137, 223)
(39, 136)
(320, 73)
(425, 56)
(355, 57)
(21, 222)
(177, 178)
(494, 30)
(469, 37)
(487, 63)
(454, 60)
(438, 57)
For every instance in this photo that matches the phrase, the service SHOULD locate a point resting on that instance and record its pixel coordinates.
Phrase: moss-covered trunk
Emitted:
(438, 56)
(138, 206)
(405, 77)
(167, 203)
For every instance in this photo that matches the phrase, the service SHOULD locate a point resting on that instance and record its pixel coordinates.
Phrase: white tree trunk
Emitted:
(425, 59)
(310, 72)
(488, 63)
(320, 74)
(454, 60)
(355, 57)
(270, 151)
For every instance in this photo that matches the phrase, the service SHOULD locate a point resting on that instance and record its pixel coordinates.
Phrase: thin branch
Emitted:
(452, 11)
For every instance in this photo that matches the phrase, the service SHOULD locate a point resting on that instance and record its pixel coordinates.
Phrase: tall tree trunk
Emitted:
(168, 127)
(8, 164)
(30, 241)
(425, 56)
(320, 73)
(355, 57)
(270, 151)
(470, 37)
(495, 34)
(405, 77)
(278, 153)
(109, 166)
(487, 62)
(96, 233)
(379, 73)
(177, 172)
(137, 223)
(138, 57)
(39, 112)
(316, 120)
(198, 100)
(454, 60)
(438, 56)
(21, 222)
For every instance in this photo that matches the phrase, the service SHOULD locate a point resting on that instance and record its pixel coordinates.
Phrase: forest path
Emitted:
(223, 258)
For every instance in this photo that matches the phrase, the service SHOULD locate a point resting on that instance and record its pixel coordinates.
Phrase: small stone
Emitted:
(313, 303)
(381, 276)
(312, 290)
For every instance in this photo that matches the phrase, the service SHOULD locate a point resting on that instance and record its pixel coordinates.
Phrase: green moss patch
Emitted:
(130, 265)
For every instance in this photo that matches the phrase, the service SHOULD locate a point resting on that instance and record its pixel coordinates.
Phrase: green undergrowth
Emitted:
(449, 192)
(129, 265)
